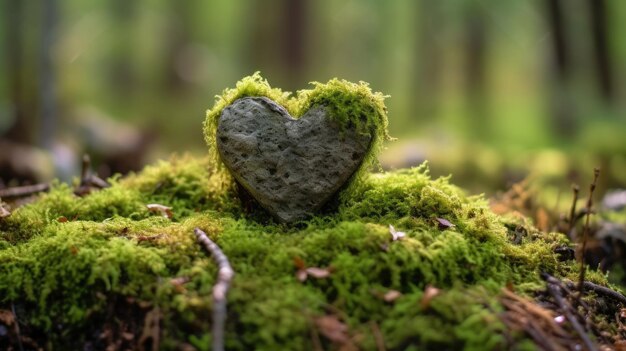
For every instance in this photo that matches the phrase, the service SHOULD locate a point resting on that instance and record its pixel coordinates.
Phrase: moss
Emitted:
(77, 268)
(112, 256)
(351, 104)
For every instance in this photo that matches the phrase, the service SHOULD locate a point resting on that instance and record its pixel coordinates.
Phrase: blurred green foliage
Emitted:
(509, 77)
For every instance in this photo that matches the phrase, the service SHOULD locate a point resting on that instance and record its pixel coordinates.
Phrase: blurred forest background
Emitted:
(490, 91)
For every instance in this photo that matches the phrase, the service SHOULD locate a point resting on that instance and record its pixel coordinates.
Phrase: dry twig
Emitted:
(555, 291)
(220, 289)
(88, 180)
(601, 290)
(592, 188)
(23, 191)
(536, 321)
(17, 328)
(572, 213)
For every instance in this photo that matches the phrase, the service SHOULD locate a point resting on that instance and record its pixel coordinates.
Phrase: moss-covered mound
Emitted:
(105, 272)
(85, 271)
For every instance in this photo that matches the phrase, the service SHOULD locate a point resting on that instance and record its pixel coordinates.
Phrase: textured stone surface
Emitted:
(290, 166)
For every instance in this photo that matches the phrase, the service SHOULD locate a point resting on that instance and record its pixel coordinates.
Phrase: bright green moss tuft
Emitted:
(113, 260)
(82, 262)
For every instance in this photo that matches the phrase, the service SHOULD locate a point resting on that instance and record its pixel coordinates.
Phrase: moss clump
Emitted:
(351, 104)
(70, 281)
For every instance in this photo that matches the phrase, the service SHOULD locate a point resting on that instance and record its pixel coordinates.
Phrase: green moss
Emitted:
(113, 256)
(350, 103)
(75, 266)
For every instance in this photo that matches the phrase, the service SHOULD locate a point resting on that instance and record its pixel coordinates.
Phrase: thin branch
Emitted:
(601, 290)
(88, 180)
(22, 191)
(592, 188)
(555, 291)
(220, 289)
(572, 213)
(17, 328)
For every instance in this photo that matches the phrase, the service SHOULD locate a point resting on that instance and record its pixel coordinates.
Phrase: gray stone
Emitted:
(290, 166)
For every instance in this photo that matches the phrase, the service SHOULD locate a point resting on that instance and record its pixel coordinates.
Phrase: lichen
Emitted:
(109, 255)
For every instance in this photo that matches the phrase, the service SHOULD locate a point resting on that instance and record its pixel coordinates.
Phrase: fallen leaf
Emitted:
(301, 275)
(299, 263)
(4, 212)
(303, 271)
(429, 293)
(333, 329)
(318, 273)
(391, 295)
(444, 223)
(395, 235)
(7, 317)
(163, 210)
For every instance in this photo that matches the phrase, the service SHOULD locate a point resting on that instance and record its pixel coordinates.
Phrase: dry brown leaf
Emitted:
(7, 317)
(299, 263)
(543, 220)
(333, 329)
(620, 345)
(391, 295)
(444, 223)
(304, 272)
(301, 275)
(429, 293)
(161, 209)
(318, 273)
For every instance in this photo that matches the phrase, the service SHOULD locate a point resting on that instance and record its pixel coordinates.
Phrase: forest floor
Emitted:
(406, 262)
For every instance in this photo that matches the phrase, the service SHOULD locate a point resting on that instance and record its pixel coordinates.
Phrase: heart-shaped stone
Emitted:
(290, 166)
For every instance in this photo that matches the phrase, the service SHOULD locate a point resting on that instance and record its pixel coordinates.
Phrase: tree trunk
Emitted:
(47, 82)
(563, 121)
(601, 49)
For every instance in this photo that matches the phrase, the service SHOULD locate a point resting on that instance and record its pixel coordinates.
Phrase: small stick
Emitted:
(225, 274)
(592, 188)
(572, 213)
(86, 166)
(562, 303)
(601, 290)
(89, 180)
(17, 328)
(22, 191)
(96, 181)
